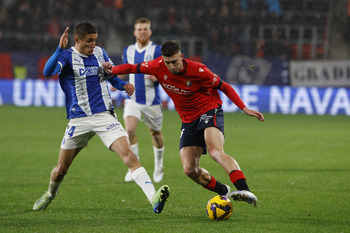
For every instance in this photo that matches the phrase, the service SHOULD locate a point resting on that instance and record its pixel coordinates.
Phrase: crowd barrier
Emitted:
(268, 99)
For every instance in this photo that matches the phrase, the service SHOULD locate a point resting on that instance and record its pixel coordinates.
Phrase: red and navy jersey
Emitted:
(193, 91)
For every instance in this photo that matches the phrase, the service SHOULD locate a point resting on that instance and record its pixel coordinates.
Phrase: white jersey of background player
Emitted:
(145, 103)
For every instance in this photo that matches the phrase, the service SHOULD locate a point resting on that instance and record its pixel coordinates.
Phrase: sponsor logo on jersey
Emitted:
(215, 79)
(175, 89)
(144, 64)
(201, 70)
(100, 58)
(165, 77)
(88, 71)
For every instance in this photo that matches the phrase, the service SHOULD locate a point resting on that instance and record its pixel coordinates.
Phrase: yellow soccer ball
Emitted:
(219, 208)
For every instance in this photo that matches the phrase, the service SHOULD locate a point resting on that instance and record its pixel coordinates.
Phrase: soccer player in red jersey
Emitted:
(194, 90)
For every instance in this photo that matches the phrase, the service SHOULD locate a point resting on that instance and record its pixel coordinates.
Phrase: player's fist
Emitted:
(129, 89)
(107, 67)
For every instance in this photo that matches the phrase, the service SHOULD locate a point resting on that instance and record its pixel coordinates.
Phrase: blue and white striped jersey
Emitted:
(85, 94)
(146, 91)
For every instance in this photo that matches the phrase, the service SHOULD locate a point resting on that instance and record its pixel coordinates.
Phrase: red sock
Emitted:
(211, 185)
(216, 186)
(236, 175)
(238, 180)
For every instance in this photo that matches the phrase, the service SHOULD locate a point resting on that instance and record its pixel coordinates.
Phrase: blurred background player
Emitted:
(145, 103)
(194, 90)
(90, 111)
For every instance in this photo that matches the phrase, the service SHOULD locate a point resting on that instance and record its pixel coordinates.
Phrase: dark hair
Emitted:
(83, 29)
(170, 48)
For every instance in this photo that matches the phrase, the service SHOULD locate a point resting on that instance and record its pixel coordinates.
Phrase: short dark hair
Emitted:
(83, 29)
(170, 48)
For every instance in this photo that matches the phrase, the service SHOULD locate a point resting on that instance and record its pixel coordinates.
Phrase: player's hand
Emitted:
(251, 112)
(107, 67)
(129, 89)
(151, 77)
(113, 89)
(64, 39)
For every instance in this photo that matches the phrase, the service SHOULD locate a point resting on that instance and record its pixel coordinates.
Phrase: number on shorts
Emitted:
(70, 131)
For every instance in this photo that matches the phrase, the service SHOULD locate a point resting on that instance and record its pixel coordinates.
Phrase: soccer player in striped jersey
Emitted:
(145, 103)
(194, 90)
(90, 111)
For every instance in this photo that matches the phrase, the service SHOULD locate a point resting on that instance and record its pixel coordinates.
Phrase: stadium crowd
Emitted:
(229, 26)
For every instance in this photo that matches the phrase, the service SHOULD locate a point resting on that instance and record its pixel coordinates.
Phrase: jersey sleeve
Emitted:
(147, 67)
(144, 68)
(117, 83)
(53, 66)
(231, 94)
(209, 79)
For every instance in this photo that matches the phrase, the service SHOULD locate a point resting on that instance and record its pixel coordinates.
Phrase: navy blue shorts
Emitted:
(192, 134)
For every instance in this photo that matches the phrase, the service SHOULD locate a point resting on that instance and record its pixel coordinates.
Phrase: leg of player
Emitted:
(190, 157)
(158, 149)
(130, 127)
(214, 140)
(140, 176)
(65, 159)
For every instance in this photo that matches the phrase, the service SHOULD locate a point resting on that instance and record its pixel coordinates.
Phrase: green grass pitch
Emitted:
(297, 165)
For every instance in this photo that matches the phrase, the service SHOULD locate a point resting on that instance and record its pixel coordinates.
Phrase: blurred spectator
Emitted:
(227, 26)
(20, 71)
(277, 49)
(286, 53)
(227, 45)
(172, 19)
(273, 6)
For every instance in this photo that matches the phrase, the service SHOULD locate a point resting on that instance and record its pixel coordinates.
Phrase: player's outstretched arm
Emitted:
(120, 69)
(233, 96)
(52, 67)
(255, 113)
(121, 85)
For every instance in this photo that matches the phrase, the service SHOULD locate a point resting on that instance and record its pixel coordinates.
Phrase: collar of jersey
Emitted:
(184, 69)
(144, 48)
(80, 54)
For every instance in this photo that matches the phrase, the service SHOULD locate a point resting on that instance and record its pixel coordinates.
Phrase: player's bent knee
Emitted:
(190, 172)
(215, 154)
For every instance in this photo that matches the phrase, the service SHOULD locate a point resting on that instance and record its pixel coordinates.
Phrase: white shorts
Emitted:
(152, 114)
(80, 130)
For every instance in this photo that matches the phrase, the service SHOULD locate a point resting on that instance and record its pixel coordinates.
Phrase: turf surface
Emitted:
(297, 165)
